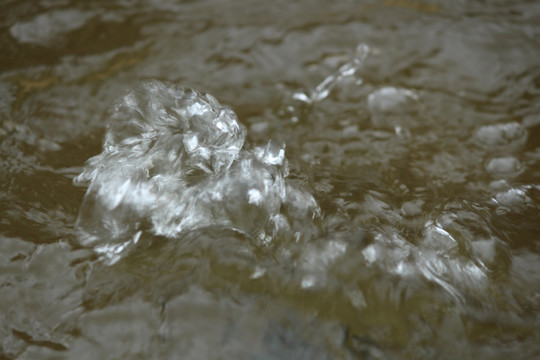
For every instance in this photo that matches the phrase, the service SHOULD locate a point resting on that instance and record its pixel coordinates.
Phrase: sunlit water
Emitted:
(358, 180)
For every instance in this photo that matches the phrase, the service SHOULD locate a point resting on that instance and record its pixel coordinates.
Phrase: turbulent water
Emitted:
(172, 163)
(284, 180)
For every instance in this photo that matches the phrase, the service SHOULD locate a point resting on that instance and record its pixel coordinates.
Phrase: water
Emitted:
(353, 180)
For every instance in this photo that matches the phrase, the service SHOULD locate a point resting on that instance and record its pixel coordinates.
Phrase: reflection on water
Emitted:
(370, 190)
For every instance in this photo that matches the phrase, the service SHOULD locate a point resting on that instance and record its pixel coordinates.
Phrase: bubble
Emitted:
(504, 167)
(513, 198)
(508, 136)
(392, 107)
(390, 99)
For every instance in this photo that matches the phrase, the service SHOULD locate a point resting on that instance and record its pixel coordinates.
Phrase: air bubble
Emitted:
(506, 137)
(504, 167)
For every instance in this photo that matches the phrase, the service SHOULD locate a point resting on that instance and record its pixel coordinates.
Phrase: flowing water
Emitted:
(348, 180)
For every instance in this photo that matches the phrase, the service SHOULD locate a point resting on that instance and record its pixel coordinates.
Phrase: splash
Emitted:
(349, 69)
(174, 160)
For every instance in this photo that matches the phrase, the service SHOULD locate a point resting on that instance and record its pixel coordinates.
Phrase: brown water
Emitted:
(414, 125)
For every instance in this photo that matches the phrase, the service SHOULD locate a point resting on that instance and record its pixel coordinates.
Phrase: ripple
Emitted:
(46, 27)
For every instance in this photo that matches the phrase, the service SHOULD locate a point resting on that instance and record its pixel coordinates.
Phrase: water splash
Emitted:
(173, 160)
(348, 69)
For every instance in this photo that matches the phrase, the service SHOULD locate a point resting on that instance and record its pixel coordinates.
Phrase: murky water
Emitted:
(365, 186)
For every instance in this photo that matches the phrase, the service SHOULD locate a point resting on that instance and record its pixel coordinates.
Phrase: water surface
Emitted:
(384, 203)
